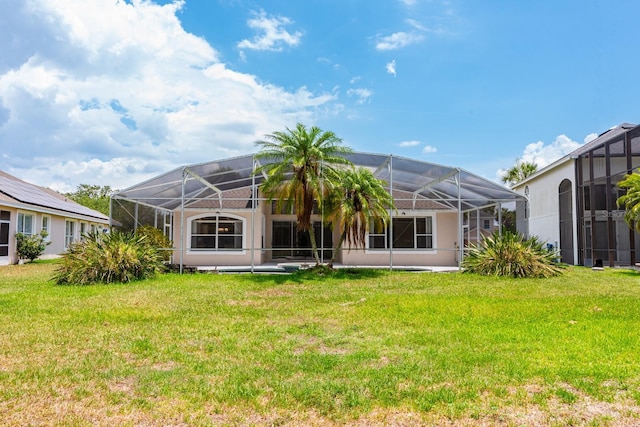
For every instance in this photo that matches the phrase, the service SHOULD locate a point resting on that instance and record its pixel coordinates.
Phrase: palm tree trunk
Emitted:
(336, 250)
(314, 246)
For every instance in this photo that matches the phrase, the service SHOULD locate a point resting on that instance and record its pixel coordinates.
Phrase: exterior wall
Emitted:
(443, 254)
(223, 258)
(56, 231)
(543, 205)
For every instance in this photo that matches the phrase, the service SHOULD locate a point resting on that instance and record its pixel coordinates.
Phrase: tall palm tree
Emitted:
(631, 200)
(296, 163)
(519, 171)
(356, 202)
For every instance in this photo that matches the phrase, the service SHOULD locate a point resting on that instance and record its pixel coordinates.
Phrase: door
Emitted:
(5, 217)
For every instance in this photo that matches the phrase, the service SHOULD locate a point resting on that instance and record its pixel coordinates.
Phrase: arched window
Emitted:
(216, 233)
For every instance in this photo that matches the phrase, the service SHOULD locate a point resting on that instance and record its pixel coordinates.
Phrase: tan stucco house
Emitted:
(216, 217)
(29, 209)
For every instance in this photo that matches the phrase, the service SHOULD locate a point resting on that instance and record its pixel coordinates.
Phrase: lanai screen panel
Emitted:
(216, 179)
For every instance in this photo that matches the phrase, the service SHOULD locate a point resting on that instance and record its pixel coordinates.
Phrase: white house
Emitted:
(215, 215)
(29, 209)
(571, 203)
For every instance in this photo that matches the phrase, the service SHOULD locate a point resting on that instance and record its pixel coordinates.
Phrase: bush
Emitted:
(31, 247)
(157, 239)
(113, 257)
(512, 255)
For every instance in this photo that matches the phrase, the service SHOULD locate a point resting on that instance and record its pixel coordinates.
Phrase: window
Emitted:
(84, 229)
(408, 233)
(25, 224)
(69, 233)
(486, 224)
(216, 233)
(46, 226)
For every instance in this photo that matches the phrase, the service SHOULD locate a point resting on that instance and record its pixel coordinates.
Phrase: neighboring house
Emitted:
(571, 204)
(29, 209)
(215, 215)
(480, 224)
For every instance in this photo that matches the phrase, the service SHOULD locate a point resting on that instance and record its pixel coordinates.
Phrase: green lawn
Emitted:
(360, 348)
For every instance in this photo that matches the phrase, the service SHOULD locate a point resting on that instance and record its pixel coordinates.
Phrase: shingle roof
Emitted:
(16, 190)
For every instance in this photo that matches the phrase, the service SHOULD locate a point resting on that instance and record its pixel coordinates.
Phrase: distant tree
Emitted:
(92, 196)
(519, 171)
(631, 199)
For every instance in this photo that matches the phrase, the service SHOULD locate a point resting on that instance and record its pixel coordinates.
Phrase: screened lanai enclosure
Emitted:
(216, 216)
(602, 232)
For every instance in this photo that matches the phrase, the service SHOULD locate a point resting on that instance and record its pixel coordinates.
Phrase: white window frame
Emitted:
(46, 226)
(217, 216)
(69, 233)
(415, 249)
(20, 223)
(84, 228)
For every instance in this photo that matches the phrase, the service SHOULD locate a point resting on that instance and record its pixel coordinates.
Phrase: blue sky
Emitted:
(111, 93)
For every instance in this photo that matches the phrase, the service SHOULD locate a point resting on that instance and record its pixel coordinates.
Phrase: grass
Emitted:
(360, 347)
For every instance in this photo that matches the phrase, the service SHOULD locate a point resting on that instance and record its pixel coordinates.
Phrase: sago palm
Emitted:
(356, 202)
(296, 163)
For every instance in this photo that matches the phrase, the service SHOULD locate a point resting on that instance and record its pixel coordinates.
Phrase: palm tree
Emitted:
(297, 162)
(358, 201)
(631, 200)
(519, 171)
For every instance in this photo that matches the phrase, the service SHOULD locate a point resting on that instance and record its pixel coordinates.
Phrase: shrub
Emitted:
(31, 247)
(108, 258)
(511, 255)
(157, 239)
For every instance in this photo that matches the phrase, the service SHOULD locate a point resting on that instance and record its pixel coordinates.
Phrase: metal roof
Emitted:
(614, 132)
(412, 180)
(30, 194)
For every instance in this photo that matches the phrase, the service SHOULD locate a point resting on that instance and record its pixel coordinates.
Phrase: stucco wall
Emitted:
(444, 254)
(56, 232)
(213, 258)
(544, 207)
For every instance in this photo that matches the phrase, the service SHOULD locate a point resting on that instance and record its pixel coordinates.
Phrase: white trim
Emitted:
(218, 214)
(409, 251)
(33, 216)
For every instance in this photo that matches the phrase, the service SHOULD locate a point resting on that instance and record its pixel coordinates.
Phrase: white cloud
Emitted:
(590, 137)
(111, 93)
(413, 143)
(361, 94)
(428, 149)
(544, 154)
(271, 34)
(398, 40)
(391, 67)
